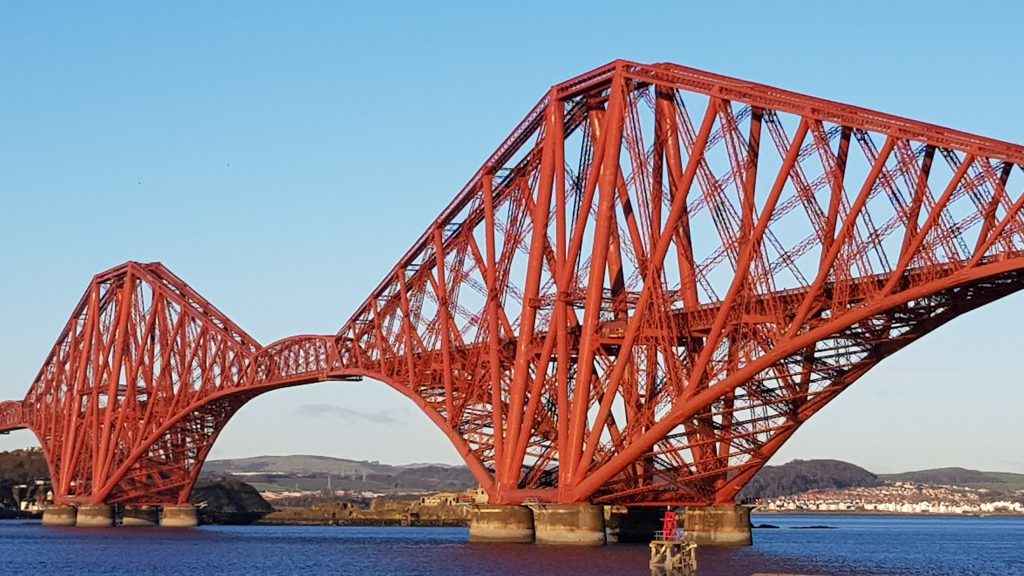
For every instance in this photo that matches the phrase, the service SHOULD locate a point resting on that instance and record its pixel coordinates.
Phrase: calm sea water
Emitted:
(858, 545)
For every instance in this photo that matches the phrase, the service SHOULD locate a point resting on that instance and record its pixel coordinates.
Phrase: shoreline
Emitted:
(363, 523)
(367, 523)
(8, 514)
(882, 513)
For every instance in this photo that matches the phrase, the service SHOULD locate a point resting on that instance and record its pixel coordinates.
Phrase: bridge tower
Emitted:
(635, 301)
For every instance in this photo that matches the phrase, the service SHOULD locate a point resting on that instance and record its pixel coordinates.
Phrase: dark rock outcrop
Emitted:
(229, 502)
(803, 475)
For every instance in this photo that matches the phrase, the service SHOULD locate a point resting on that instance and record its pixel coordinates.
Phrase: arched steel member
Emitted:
(637, 299)
(663, 272)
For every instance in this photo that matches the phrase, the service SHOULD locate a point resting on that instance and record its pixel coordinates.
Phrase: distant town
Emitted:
(323, 490)
(799, 486)
(897, 498)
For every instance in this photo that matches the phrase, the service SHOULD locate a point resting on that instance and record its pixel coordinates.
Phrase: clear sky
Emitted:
(281, 156)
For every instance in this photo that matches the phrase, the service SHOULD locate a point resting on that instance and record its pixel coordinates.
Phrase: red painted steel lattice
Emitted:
(637, 299)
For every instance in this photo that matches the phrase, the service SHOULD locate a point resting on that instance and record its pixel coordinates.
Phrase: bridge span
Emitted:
(636, 300)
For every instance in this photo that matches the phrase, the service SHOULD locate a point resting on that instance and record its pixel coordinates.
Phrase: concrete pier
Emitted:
(724, 525)
(569, 524)
(60, 516)
(633, 524)
(493, 523)
(140, 516)
(179, 516)
(95, 516)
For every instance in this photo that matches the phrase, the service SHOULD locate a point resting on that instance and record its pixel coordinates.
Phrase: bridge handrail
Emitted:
(297, 356)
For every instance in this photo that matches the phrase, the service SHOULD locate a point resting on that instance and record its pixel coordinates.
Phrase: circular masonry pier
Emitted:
(180, 516)
(60, 516)
(140, 516)
(569, 524)
(95, 516)
(493, 523)
(718, 525)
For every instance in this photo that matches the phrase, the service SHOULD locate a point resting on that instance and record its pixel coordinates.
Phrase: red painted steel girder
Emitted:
(663, 272)
(637, 299)
(10, 415)
(138, 347)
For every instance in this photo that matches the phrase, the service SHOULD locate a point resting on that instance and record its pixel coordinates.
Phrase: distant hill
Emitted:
(297, 464)
(995, 481)
(803, 475)
(21, 466)
(304, 472)
(279, 473)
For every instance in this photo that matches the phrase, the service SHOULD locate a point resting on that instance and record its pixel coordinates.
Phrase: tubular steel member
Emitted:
(113, 405)
(637, 299)
(663, 272)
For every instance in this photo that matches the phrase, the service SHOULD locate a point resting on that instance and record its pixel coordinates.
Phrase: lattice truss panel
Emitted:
(637, 299)
(11, 415)
(662, 272)
(119, 406)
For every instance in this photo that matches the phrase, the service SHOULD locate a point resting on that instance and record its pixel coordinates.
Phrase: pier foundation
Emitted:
(95, 516)
(60, 516)
(723, 525)
(140, 516)
(569, 524)
(633, 524)
(493, 523)
(179, 516)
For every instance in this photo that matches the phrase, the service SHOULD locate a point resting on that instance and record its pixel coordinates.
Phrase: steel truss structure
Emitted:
(638, 298)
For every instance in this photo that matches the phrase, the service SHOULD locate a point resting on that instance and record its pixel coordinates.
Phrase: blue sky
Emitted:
(280, 157)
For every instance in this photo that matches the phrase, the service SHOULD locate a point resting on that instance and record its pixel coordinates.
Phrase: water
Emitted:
(859, 545)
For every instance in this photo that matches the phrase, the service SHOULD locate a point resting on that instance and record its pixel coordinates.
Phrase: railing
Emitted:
(299, 357)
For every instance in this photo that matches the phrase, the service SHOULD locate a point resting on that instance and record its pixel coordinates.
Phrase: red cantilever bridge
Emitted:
(637, 299)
